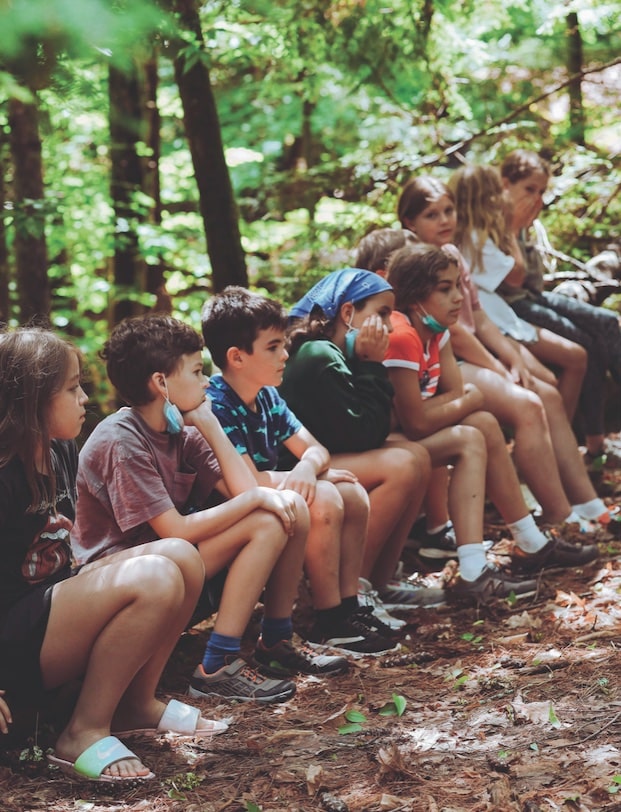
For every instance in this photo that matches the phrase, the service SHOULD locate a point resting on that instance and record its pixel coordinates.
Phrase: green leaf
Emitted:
(552, 717)
(353, 728)
(355, 716)
(400, 703)
(252, 807)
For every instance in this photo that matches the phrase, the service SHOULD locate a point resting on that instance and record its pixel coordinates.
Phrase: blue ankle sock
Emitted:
(275, 629)
(218, 646)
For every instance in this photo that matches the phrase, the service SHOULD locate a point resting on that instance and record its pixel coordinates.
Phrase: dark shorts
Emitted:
(21, 638)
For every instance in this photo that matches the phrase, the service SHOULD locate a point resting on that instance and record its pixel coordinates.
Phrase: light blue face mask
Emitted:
(350, 343)
(172, 416)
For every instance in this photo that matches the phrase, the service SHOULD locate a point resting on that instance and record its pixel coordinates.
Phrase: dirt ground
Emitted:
(511, 707)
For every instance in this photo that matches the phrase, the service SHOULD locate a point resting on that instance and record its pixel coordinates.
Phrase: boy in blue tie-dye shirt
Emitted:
(245, 334)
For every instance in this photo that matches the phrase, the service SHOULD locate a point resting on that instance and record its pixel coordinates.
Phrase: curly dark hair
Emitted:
(140, 346)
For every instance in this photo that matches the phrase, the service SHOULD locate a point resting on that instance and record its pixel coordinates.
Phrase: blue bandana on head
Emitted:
(338, 287)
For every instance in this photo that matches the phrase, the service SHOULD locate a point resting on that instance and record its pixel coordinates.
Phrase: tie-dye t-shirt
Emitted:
(260, 433)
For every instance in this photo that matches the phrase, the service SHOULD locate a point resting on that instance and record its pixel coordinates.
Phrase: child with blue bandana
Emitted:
(336, 384)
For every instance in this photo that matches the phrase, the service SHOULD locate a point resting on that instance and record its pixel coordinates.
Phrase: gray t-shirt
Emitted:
(129, 474)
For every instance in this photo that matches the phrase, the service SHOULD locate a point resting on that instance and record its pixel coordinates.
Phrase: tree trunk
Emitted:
(125, 181)
(217, 203)
(574, 67)
(30, 245)
(151, 176)
(5, 305)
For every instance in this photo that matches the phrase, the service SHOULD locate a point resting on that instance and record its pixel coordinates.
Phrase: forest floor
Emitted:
(511, 707)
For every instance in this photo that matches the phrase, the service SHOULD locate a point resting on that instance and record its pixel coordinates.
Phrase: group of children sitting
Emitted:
(328, 431)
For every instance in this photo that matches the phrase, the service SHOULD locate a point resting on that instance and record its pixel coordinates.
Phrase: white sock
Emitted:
(472, 560)
(527, 535)
(585, 525)
(592, 509)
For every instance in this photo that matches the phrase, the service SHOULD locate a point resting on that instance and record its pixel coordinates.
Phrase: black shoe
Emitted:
(492, 584)
(353, 638)
(439, 546)
(236, 680)
(285, 660)
(366, 616)
(556, 553)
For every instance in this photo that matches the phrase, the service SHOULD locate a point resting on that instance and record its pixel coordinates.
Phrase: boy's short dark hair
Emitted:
(234, 317)
(374, 250)
(140, 346)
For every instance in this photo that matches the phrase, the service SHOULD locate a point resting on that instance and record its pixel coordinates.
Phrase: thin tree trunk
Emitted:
(217, 203)
(30, 245)
(125, 182)
(4, 251)
(151, 175)
(574, 67)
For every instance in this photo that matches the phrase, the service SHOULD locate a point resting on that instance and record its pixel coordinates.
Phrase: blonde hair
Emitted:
(482, 211)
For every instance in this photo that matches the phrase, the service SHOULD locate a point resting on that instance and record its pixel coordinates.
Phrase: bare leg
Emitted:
(502, 484)
(572, 358)
(534, 454)
(339, 517)
(323, 554)
(138, 605)
(396, 478)
(353, 535)
(575, 479)
(464, 448)
(259, 554)
(436, 505)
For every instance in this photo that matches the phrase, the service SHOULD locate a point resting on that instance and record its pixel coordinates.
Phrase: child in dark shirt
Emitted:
(112, 625)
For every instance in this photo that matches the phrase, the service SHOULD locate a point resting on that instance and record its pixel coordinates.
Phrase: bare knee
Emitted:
(412, 467)
(327, 507)
(156, 579)
(472, 440)
(529, 409)
(355, 499)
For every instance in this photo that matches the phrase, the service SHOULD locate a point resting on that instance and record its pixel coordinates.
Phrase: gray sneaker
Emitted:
(411, 593)
(492, 584)
(236, 680)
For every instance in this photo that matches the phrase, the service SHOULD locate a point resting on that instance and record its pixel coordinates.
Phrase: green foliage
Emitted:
(326, 108)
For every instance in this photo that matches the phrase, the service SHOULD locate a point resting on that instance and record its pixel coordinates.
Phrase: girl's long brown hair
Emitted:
(34, 363)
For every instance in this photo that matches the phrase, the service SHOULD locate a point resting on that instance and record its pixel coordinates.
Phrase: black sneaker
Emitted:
(556, 553)
(237, 680)
(368, 618)
(353, 638)
(438, 546)
(492, 584)
(285, 660)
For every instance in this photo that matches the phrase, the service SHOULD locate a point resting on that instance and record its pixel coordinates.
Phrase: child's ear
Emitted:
(347, 312)
(157, 384)
(234, 357)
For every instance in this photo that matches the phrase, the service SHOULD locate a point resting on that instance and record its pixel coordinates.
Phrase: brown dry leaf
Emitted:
(314, 778)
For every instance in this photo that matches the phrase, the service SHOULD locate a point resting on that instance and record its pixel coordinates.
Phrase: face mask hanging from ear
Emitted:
(172, 415)
(431, 323)
(350, 340)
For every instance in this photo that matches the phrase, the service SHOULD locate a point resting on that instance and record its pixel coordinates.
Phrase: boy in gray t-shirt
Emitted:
(147, 472)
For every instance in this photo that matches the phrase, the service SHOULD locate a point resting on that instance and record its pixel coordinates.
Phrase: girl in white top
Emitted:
(492, 251)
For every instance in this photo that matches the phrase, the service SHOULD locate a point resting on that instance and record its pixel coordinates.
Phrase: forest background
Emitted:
(154, 151)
